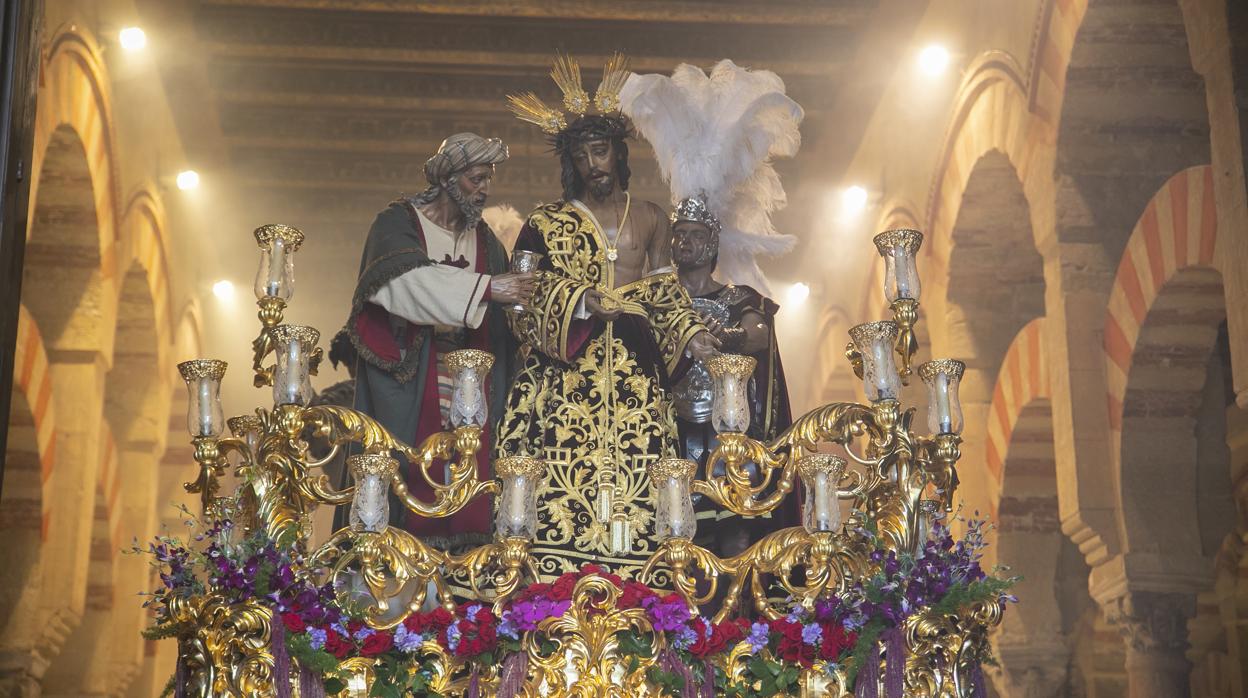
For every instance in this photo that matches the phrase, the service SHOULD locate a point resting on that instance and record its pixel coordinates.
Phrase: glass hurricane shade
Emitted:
(204, 416)
(516, 516)
(470, 368)
(730, 379)
(293, 345)
(276, 276)
(900, 248)
(821, 476)
(875, 342)
(672, 480)
(944, 409)
(370, 505)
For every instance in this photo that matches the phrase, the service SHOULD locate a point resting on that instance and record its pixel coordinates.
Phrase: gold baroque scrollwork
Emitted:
(226, 653)
(585, 662)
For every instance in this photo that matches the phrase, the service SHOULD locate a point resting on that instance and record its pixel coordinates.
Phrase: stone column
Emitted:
(1033, 667)
(1153, 626)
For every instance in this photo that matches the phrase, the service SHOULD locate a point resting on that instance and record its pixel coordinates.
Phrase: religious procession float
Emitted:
(877, 593)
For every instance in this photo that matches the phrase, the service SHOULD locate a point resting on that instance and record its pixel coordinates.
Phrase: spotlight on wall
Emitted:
(223, 290)
(188, 179)
(132, 39)
(798, 293)
(934, 59)
(853, 200)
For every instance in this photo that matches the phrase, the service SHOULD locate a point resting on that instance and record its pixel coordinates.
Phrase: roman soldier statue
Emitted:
(714, 137)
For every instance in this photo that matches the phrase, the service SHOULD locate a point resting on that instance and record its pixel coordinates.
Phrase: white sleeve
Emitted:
(437, 294)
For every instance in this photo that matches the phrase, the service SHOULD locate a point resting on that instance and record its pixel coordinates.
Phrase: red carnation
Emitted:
(733, 631)
(376, 644)
(293, 622)
(791, 648)
(533, 591)
(475, 639)
(587, 570)
(835, 641)
(633, 594)
(440, 618)
(336, 644)
(562, 588)
(723, 636)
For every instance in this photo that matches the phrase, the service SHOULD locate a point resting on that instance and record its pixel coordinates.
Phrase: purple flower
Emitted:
(685, 637)
(825, 609)
(507, 626)
(666, 616)
(811, 634)
(364, 633)
(527, 614)
(407, 641)
(453, 635)
(316, 638)
(759, 635)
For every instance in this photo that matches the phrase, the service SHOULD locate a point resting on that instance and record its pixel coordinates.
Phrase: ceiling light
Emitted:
(798, 293)
(188, 179)
(132, 38)
(853, 200)
(934, 59)
(223, 290)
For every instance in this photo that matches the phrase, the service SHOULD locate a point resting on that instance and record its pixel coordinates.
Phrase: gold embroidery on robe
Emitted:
(600, 416)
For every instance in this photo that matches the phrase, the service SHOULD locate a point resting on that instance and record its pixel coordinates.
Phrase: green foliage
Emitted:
(163, 631)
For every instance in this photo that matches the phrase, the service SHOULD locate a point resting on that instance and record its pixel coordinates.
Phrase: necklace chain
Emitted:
(613, 251)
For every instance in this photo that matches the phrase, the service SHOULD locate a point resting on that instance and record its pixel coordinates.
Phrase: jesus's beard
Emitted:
(471, 211)
(601, 187)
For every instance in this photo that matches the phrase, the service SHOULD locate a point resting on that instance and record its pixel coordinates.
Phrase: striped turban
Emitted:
(460, 152)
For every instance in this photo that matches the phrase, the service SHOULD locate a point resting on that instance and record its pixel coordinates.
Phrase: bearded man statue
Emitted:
(434, 279)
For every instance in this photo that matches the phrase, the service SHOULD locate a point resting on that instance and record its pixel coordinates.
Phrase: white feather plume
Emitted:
(505, 221)
(716, 135)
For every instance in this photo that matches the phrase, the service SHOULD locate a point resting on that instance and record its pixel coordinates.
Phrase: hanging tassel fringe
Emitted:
(310, 685)
(511, 678)
(978, 690)
(670, 662)
(868, 683)
(179, 677)
(894, 663)
(281, 658)
(708, 680)
(474, 685)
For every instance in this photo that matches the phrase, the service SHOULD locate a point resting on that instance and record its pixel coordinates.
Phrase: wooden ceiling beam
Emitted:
(808, 13)
(501, 60)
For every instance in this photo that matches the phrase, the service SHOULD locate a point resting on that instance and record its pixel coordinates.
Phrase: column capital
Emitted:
(1151, 621)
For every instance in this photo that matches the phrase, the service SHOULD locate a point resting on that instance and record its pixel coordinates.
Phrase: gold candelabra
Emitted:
(891, 478)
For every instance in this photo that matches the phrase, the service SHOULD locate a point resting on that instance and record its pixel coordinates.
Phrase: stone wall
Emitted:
(1084, 211)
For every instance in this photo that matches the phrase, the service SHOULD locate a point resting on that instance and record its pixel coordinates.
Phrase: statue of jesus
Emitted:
(608, 325)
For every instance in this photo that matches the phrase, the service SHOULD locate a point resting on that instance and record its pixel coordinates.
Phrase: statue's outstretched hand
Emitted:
(596, 305)
(512, 287)
(703, 346)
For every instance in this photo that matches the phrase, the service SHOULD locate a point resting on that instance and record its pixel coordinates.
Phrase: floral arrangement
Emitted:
(847, 632)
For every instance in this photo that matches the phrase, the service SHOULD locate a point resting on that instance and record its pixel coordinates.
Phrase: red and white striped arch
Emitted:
(1022, 379)
(1178, 230)
(33, 380)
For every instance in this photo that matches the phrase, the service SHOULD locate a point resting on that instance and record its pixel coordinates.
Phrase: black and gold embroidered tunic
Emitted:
(591, 396)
